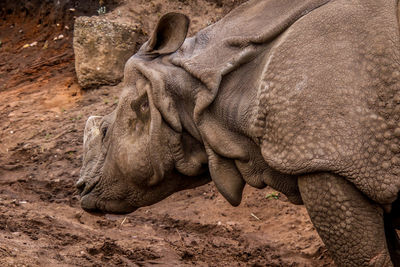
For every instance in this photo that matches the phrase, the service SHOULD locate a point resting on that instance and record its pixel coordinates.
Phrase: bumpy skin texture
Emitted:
(332, 103)
(277, 91)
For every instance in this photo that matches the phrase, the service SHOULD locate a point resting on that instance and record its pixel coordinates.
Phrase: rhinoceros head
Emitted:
(138, 154)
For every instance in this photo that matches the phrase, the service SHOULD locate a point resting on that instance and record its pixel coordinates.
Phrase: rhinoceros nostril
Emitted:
(80, 185)
(85, 186)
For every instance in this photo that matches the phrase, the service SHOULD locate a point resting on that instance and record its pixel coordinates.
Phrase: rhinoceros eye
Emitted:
(141, 106)
(144, 107)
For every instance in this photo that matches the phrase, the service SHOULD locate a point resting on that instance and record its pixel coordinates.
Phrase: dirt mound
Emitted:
(43, 112)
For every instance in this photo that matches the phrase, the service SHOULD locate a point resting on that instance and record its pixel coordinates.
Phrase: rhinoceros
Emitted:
(302, 96)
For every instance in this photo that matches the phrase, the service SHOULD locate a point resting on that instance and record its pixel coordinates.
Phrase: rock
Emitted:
(46, 44)
(61, 36)
(102, 48)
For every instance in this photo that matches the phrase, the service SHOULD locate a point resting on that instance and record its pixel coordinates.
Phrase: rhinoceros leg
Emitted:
(351, 226)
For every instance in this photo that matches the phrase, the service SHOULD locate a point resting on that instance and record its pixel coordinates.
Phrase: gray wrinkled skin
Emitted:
(302, 96)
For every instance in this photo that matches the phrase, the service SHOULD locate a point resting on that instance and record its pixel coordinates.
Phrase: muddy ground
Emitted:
(42, 116)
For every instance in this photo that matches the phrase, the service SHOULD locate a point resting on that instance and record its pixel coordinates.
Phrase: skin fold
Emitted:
(302, 96)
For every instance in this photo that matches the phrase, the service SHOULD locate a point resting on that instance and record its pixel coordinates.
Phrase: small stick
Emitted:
(122, 222)
(183, 244)
(252, 214)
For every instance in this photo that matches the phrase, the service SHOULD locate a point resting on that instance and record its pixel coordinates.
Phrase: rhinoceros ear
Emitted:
(169, 35)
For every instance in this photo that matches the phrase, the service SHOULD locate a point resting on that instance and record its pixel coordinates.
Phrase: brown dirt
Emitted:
(42, 116)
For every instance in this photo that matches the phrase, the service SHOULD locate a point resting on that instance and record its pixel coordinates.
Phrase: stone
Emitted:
(101, 49)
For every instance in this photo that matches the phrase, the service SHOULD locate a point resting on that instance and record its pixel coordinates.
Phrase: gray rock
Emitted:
(101, 49)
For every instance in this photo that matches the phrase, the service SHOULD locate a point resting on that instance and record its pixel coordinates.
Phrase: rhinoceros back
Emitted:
(329, 98)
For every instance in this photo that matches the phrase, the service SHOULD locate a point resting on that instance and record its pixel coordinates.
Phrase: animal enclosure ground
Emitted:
(42, 116)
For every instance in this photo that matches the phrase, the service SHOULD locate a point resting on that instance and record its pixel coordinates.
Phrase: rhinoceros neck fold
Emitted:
(235, 40)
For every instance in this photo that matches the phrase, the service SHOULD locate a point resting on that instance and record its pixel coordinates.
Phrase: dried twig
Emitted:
(183, 244)
(252, 214)
(122, 222)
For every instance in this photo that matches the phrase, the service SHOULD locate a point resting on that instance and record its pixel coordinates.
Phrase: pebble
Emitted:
(61, 36)
(46, 44)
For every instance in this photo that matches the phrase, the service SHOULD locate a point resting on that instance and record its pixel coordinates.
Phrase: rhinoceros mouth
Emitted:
(97, 206)
(92, 202)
